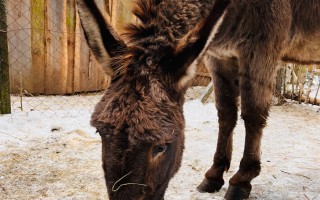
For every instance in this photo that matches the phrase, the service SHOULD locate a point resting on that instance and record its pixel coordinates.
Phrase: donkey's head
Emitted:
(140, 117)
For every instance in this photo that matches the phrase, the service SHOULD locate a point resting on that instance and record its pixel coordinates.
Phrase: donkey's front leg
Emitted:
(225, 77)
(256, 83)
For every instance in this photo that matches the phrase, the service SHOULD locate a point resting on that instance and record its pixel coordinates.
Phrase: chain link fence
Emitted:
(49, 64)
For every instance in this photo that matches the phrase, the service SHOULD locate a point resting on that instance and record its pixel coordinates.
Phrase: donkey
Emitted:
(140, 117)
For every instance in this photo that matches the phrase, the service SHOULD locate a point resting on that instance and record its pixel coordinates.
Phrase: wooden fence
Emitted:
(47, 50)
(48, 53)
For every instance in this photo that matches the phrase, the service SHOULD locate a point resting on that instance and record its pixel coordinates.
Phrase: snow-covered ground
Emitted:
(46, 154)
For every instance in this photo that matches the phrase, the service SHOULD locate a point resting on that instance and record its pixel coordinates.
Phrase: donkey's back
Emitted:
(290, 29)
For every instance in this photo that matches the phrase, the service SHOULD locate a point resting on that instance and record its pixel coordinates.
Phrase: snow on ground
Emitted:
(46, 154)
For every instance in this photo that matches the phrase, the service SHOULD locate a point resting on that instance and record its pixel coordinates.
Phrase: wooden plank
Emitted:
(5, 104)
(81, 57)
(38, 45)
(56, 40)
(88, 75)
(209, 89)
(98, 80)
(19, 46)
(71, 28)
(93, 67)
(121, 14)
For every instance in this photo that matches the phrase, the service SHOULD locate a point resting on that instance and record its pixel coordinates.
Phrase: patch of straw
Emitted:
(125, 184)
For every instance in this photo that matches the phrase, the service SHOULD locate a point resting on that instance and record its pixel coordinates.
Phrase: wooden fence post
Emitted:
(38, 46)
(5, 107)
(71, 38)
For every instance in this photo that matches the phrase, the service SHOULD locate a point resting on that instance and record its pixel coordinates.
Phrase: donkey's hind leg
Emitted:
(225, 77)
(256, 83)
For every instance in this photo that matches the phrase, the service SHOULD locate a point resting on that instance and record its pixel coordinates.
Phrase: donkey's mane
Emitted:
(161, 24)
(147, 13)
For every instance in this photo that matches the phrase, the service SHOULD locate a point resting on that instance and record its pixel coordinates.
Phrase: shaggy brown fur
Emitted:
(140, 117)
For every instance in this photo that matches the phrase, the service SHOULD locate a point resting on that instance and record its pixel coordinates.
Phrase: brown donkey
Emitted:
(140, 117)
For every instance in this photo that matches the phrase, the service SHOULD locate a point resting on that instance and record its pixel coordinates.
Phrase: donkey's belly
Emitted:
(303, 50)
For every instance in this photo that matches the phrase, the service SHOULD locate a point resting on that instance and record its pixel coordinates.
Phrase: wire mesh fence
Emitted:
(48, 58)
(50, 66)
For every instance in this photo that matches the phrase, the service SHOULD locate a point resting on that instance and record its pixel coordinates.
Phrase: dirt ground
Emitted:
(66, 164)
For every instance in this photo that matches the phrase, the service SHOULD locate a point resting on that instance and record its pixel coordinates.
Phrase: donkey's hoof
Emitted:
(237, 193)
(209, 186)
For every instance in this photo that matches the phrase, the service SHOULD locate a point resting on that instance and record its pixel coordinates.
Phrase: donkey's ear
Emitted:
(101, 38)
(195, 43)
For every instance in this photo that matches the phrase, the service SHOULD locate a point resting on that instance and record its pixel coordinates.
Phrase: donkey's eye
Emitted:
(159, 149)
